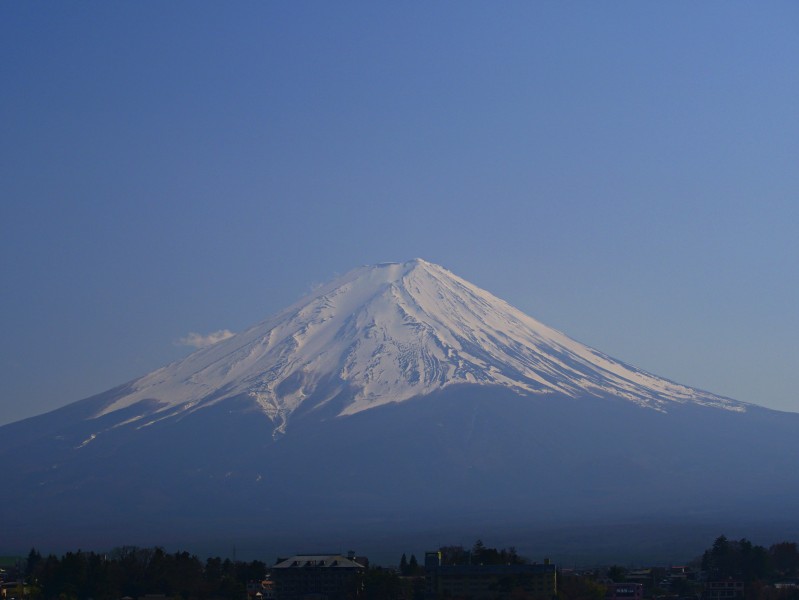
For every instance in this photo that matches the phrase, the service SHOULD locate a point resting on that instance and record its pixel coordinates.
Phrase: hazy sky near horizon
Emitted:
(625, 172)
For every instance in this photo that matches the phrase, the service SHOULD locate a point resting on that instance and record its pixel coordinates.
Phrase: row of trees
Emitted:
(132, 571)
(756, 566)
(740, 559)
(409, 568)
(480, 554)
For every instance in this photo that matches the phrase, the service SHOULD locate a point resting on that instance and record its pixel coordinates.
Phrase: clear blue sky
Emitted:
(625, 172)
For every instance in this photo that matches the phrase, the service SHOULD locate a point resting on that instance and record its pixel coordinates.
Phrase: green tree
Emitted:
(478, 552)
(403, 565)
(785, 559)
(754, 561)
(413, 566)
(32, 564)
(617, 574)
(581, 588)
(717, 561)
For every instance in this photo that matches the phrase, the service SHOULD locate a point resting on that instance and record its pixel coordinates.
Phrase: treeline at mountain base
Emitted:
(766, 574)
(135, 572)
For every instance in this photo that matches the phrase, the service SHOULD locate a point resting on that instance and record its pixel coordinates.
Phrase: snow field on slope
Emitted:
(393, 332)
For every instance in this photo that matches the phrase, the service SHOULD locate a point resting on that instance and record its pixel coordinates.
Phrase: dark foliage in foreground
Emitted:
(742, 560)
(134, 572)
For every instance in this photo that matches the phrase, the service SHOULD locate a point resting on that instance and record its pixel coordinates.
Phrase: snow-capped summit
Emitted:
(390, 332)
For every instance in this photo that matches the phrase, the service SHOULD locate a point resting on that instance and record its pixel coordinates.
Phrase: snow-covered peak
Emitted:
(391, 332)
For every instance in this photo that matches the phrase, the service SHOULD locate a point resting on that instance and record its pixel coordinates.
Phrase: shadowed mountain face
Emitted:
(397, 399)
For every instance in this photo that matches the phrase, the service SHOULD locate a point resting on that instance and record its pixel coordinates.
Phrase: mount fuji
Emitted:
(396, 400)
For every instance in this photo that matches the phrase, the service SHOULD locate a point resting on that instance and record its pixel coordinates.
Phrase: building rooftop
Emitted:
(317, 561)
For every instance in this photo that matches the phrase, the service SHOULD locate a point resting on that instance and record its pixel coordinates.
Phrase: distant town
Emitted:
(727, 570)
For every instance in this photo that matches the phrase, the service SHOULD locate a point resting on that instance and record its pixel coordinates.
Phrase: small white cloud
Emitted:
(312, 287)
(198, 340)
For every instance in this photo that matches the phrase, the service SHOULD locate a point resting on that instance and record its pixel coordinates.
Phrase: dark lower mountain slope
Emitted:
(466, 459)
